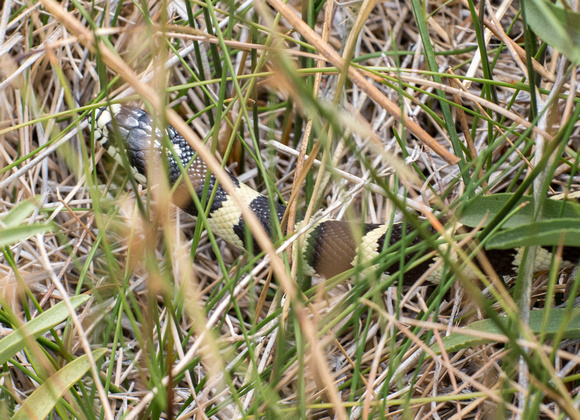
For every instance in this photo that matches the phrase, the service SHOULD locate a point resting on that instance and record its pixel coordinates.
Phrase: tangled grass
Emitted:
(125, 308)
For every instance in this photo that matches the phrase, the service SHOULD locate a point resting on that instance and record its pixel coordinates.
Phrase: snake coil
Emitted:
(330, 247)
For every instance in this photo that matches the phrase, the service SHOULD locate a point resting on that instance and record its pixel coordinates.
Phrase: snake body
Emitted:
(330, 246)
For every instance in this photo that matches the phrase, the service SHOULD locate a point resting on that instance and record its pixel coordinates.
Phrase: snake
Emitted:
(330, 247)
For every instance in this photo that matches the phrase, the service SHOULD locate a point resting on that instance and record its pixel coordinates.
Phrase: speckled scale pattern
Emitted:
(263, 210)
(185, 153)
(220, 194)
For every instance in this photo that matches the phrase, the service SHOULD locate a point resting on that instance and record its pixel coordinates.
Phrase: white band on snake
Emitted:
(330, 245)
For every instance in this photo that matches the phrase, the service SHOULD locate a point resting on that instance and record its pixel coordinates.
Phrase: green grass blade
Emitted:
(19, 213)
(556, 26)
(489, 206)
(16, 234)
(42, 401)
(542, 233)
(457, 341)
(16, 341)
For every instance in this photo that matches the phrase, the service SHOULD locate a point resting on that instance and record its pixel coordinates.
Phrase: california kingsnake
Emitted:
(329, 248)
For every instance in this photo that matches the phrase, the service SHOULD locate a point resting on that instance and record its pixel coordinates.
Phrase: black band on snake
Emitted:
(329, 248)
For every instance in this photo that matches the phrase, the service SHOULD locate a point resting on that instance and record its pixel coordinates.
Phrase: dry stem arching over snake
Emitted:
(330, 246)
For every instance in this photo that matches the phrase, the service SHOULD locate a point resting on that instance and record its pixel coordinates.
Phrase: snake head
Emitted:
(126, 131)
(129, 136)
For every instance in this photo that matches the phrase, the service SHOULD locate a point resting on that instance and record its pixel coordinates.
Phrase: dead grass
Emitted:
(194, 329)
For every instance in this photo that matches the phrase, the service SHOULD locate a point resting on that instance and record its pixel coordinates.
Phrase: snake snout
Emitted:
(125, 132)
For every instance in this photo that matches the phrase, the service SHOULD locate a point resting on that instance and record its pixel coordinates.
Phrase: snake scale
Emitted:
(330, 247)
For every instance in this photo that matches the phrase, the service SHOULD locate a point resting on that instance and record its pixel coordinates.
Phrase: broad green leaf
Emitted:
(542, 233)
(18, 214)
(16, 341)
(16, 234)
(457, 341)
(556, 26)
(488, 206)
(42, 401)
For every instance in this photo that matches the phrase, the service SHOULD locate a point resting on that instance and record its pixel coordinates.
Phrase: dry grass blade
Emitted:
(344, 110)
(357, 78)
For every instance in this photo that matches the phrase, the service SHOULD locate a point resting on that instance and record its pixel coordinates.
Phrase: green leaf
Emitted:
(16, 341)
(457, 341)
(15, 234)
(556, 26)
(13, 229)
(490, 205)
(543, 233)
(42, 401)
(18, 214)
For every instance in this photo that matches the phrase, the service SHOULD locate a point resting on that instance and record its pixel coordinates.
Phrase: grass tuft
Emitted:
(116, 305)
